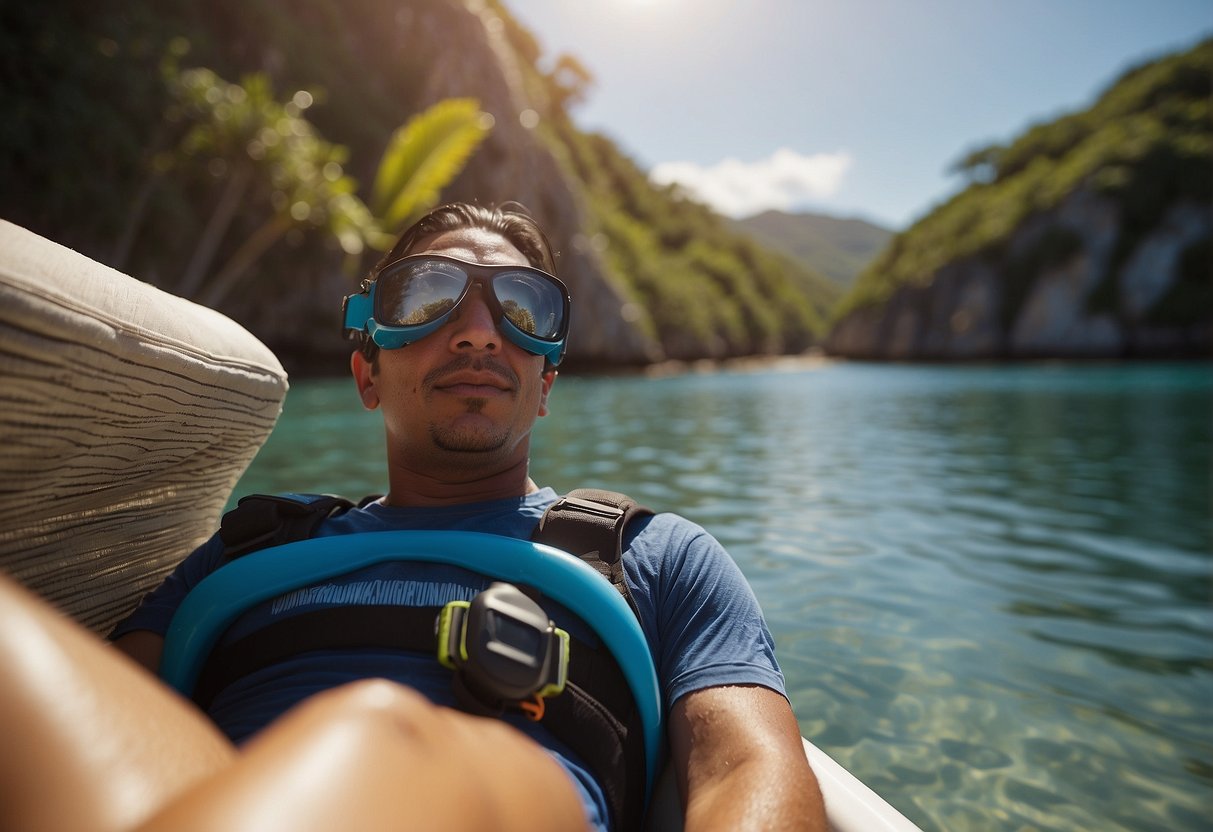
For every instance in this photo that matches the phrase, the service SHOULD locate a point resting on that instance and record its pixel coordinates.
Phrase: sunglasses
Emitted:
(414, 296)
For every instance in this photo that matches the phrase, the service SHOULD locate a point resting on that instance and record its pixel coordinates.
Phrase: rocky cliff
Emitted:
(1046, 294)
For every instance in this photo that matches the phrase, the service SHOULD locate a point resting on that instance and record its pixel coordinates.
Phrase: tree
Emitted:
(268, 155)
(269, 159)
(421, 158)
(569, 82)
(980, 166)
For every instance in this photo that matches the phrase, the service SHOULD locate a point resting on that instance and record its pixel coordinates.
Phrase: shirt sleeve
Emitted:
(155, 612)
(701, 616)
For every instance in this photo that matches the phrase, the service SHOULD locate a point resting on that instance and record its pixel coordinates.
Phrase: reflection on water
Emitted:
(990, 587)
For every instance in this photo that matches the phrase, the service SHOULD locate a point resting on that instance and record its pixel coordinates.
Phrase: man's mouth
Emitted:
(472, 391)
(475, 385)
(473, 378)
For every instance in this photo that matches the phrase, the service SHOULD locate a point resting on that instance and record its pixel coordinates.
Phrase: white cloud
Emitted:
(782, 181)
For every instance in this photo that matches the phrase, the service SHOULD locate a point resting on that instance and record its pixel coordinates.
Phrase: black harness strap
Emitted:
(597, 717)
(612, 747)
(260, 521)
(329, 628)
(590, 523)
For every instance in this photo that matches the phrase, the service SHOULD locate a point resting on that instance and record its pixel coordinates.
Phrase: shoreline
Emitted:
(812, 360)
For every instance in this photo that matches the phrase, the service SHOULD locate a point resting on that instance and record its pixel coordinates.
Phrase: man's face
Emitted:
(464, 396)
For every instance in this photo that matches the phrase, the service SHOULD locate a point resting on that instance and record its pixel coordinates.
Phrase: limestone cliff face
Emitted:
(516, 164)
(1062, 287)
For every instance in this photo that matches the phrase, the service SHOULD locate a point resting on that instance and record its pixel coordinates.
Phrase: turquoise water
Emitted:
(990, 587)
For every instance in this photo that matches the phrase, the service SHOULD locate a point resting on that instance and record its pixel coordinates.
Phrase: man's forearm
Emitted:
(741, 762)
(756, 794)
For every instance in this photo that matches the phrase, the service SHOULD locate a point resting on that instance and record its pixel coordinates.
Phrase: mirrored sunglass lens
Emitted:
(419, 294)
(531, 303)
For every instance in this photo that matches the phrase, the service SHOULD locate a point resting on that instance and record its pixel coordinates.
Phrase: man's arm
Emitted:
(740, 762)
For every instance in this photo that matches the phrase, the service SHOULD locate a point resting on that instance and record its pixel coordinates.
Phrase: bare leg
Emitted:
(377, 756)
(92, 742)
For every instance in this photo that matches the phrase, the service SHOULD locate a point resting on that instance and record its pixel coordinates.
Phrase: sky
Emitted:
(854, 108)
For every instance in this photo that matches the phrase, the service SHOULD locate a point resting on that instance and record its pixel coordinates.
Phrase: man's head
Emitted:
(508, 221)
(460, 398)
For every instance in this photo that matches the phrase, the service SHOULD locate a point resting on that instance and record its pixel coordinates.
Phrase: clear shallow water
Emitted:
(990, 587)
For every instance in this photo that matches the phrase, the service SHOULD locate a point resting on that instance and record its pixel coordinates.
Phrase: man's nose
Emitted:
(472, 325)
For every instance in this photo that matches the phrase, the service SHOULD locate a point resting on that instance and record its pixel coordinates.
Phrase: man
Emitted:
(461, 328)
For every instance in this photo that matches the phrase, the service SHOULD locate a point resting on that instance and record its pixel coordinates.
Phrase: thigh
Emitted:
(377, 756)
(92, 741)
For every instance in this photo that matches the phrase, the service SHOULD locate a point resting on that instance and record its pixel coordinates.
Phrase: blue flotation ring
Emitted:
(210, 608)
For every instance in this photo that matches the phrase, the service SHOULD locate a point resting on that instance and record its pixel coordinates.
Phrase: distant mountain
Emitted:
(838, 248)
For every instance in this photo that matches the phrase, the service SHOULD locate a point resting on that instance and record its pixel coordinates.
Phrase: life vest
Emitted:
(609, 712)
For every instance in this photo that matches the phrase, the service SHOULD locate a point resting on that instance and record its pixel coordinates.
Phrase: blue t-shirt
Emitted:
(698, 613)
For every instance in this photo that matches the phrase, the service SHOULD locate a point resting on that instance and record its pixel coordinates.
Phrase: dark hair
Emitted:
(509, 219)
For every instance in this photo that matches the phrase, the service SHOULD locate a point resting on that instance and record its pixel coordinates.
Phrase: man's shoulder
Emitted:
(667, 528)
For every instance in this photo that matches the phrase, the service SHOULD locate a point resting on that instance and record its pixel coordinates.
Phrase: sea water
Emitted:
(990, 587)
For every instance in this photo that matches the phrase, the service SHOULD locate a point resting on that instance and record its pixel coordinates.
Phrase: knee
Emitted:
(380, 705)
(380, 696)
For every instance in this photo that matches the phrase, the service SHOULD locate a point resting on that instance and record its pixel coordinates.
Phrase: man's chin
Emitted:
(467, 439)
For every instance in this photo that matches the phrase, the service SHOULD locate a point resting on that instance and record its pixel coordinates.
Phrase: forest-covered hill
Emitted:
(1087, 236)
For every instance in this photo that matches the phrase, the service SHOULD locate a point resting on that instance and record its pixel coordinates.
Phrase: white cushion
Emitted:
(126, 417)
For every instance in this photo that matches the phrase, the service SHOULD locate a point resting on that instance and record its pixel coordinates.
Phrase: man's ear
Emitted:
(548, 378)
(364, 377)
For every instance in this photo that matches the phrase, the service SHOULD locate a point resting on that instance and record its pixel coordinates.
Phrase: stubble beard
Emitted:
(469, 440)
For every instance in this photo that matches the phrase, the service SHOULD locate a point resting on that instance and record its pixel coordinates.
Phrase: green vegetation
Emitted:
(421, 159)
(1147, 143)
(264, 153)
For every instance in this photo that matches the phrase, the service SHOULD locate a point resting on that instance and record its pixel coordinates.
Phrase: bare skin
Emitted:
(740, 763)
(110, 752)
(376, 756)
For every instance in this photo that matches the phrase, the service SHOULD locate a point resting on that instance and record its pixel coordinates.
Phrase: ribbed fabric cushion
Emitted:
(126, 417)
